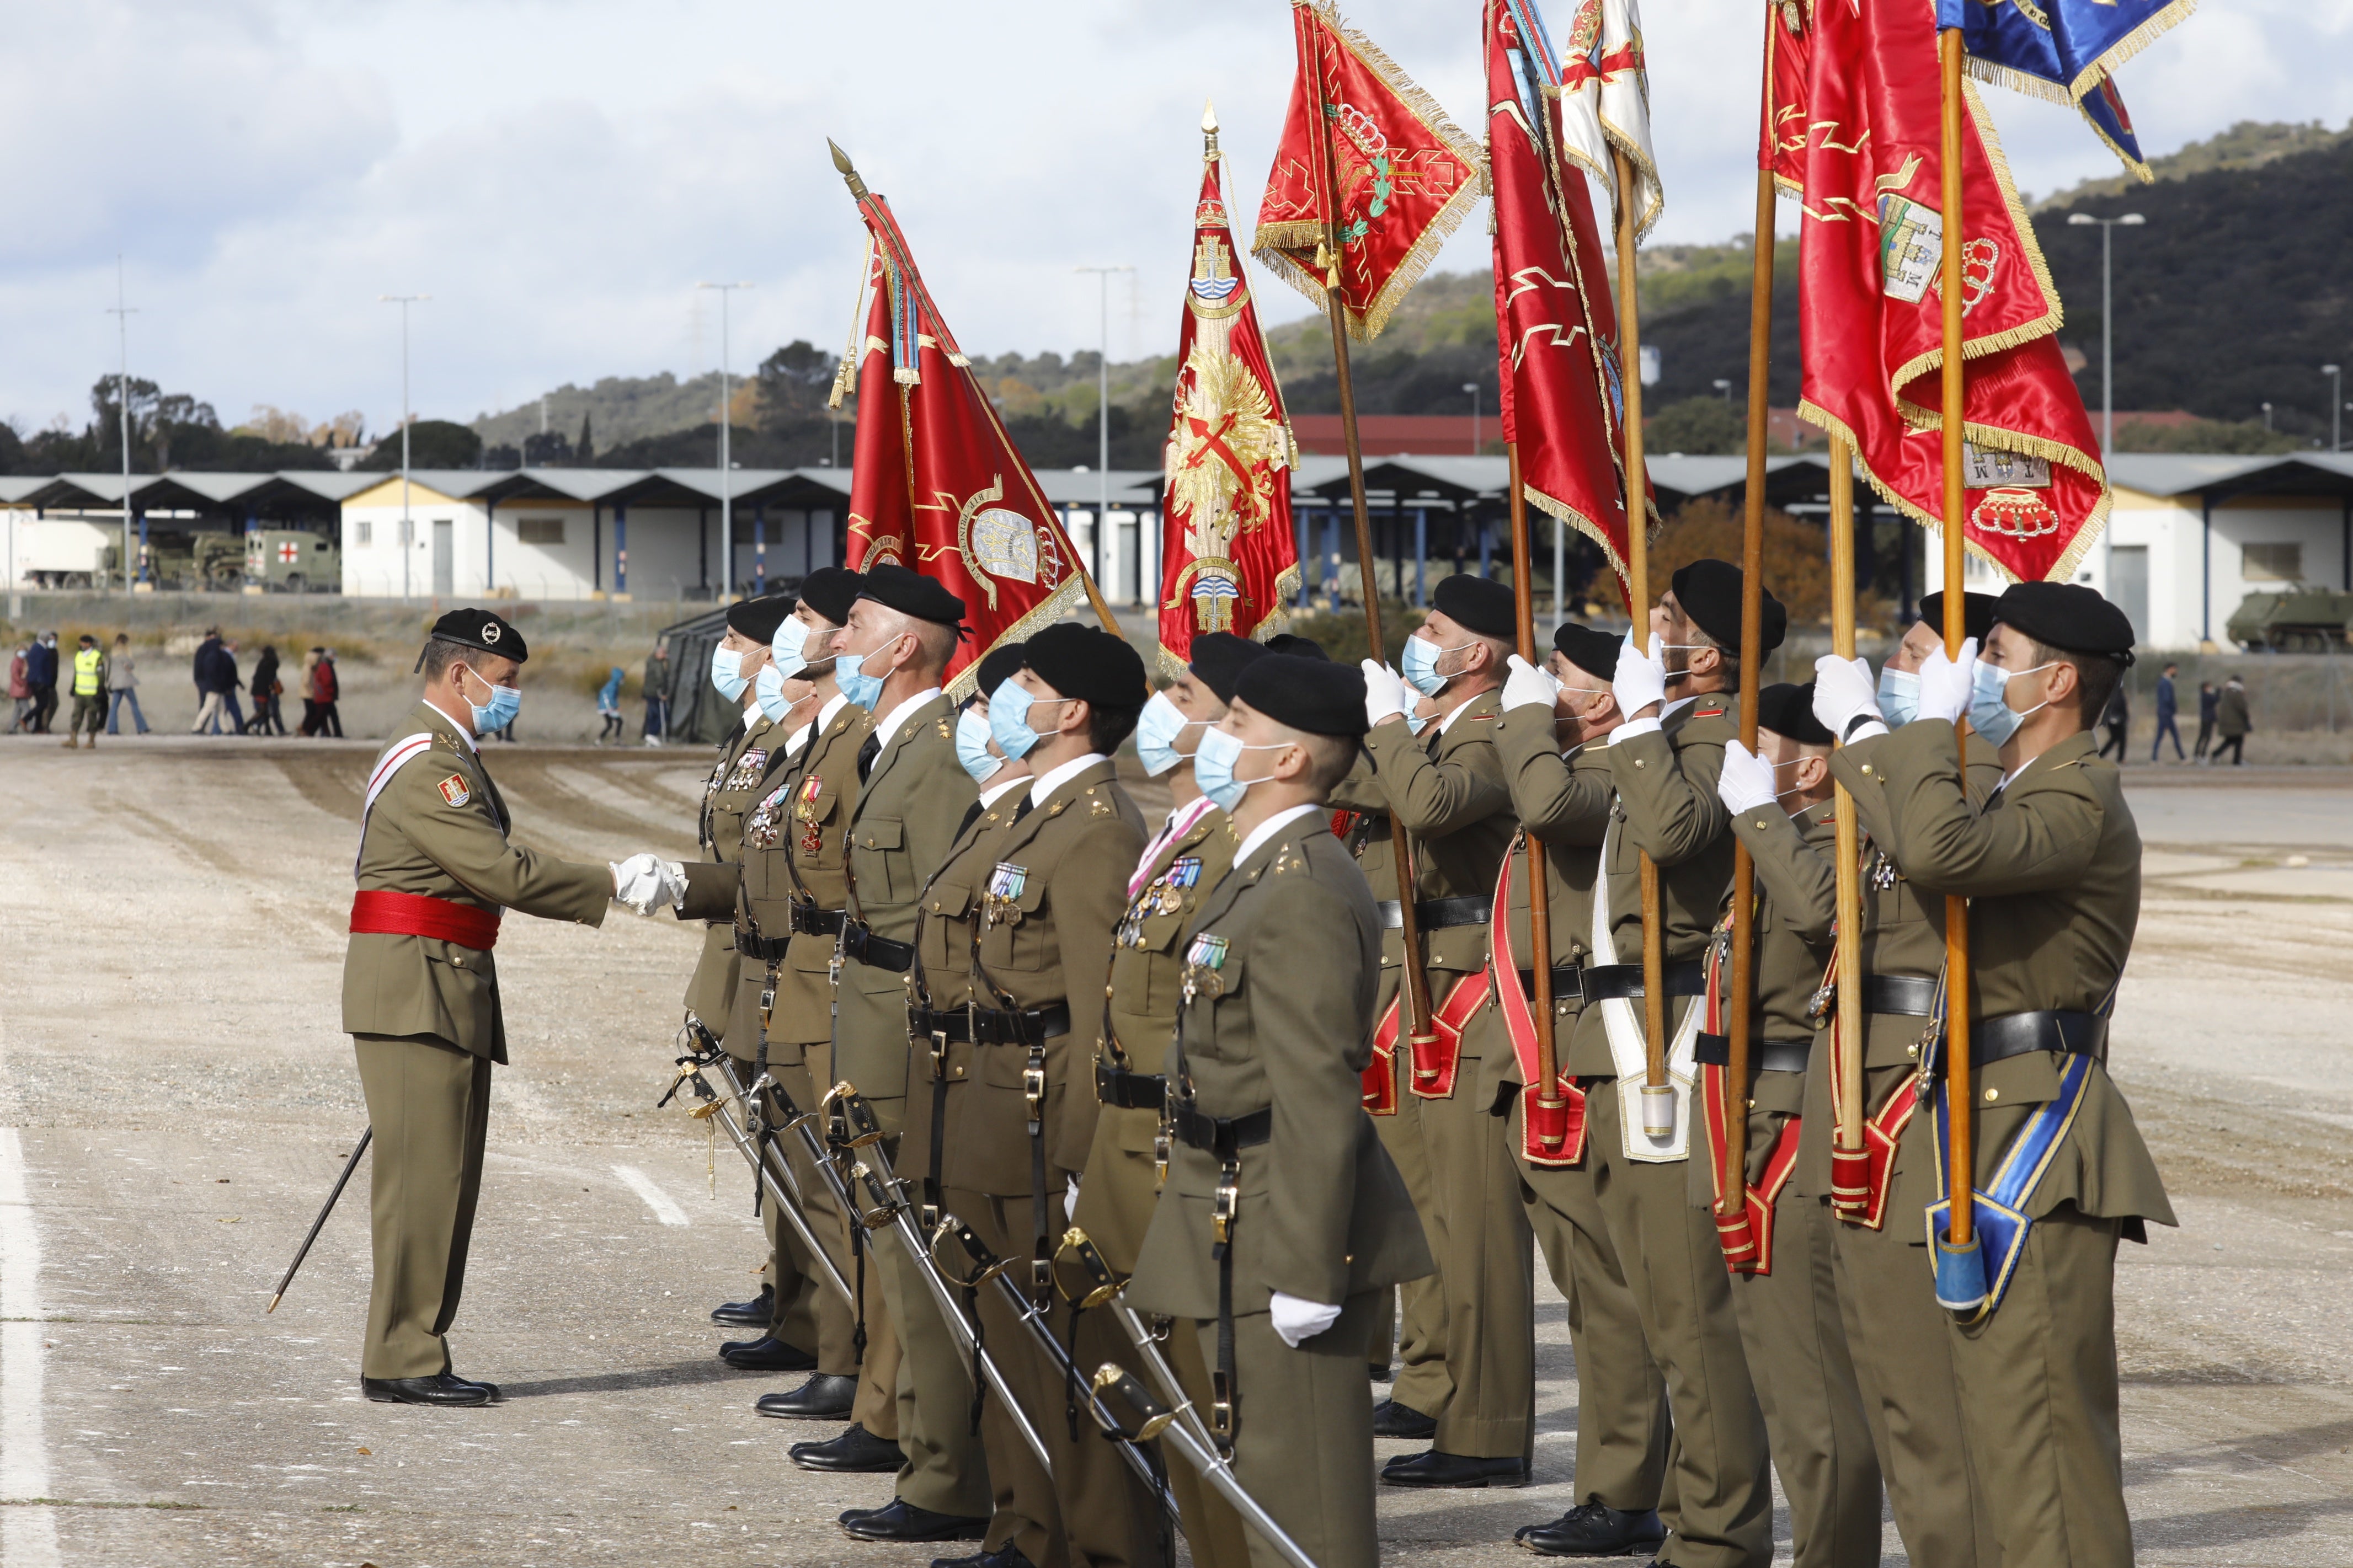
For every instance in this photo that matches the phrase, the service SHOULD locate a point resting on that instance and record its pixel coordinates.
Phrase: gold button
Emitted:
(1913, 1050)
(457, 963)
(1638, 762)
(1106, 992)
(1866, 770)
(1992, 1095)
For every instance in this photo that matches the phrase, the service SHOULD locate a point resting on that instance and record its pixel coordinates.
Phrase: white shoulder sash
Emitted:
(1627, 1049)
(407, 749)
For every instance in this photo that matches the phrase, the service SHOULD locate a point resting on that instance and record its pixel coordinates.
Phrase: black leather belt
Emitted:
(2016, 1034)
(1438, 914)
(1764, 1056)
(1220, 1135)
(991, 1027)
(859, 941)
(1567, 981)
(1617, 981)
(766, 948)
(1129, 1090)
(1907, 995)
(811, 922)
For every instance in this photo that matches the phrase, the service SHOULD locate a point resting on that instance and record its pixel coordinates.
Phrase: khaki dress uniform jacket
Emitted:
(727, 798)
(1282, 975)
(426, 1024)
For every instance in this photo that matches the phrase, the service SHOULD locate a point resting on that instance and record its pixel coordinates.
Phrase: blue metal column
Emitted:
(490, 545)
(597, 547)
(1420, 557)
(1299, 533)
(1332, 559)
(621, 549)
(1485, 551)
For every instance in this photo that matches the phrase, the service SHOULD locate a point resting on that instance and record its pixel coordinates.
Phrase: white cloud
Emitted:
(559, 175)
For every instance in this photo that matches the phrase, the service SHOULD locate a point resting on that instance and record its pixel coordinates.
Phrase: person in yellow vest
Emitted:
(89, 692)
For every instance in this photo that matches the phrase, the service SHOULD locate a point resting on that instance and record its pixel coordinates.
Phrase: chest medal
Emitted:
(1204, 958)
(805, 812)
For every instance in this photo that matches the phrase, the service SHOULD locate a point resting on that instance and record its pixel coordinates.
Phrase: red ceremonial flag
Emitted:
(1555, 328)
(938, 485)
(1871, 310)
(1365, 147)
(1227, 550)
(1781, 140)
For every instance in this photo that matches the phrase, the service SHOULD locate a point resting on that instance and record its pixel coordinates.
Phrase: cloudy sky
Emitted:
(559, 175)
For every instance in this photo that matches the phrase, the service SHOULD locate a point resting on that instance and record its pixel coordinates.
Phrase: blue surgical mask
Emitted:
(850, 674)
(1415, 723)
(504, 704)
(1899, 696)
(1213, 768)
(1420, 665)
(1989, 715)
(792, 636)
(726, 672)
(972, 745)
(769, 690)
(1156, 729)
(1009, 718)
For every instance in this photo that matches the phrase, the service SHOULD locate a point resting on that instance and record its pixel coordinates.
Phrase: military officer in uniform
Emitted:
(1016, 931)
(1552, 740)
(1188, 857)
(421, 991)
(2050, 862)
(1784, 1284)
(1284, 1219)
(1445, 783)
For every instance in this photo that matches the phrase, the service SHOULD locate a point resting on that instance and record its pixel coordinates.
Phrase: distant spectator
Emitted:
(2206, 699)
(657, 693)
(41, 674)
(2117, 717)
(328, 686)
(2232, 721)
(265, 691)
(89, 692)
(309, 700)
(204, 670)
(122, 686)
(2166, 703)
(608, 707)
(231, 684)
(20, 691)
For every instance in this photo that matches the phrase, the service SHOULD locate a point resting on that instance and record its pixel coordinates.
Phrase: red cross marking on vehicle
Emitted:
(289, 553)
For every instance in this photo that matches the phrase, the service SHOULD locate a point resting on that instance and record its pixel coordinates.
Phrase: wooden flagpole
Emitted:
(1957, 1078)
(1658, 1097)
(1549, 1093)
(1847, 1128)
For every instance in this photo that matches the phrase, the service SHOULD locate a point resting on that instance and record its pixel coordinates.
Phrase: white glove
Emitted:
(1385, 693)
(1746, 782)
(1640, 680)
(1945, 683)
(637, 883)
(1528, 687)
(1843, 692)
(1296, 1318)
(674, 882)
(1071, 1199)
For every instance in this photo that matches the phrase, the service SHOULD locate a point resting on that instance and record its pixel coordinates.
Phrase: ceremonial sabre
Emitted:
(304, 1251)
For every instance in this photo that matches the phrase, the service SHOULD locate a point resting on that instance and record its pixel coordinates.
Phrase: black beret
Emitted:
(759, 618)
(2066, 615)
(1787, 710)
(1977, 613)
(830, 591)
(1709, 592)
(1478, 604)
(1088, 663)
(1001, 664)
(911, 593)
(1219, 659)
(1295, 645)
(479, 629)
(1314, 695)
(1589, 648)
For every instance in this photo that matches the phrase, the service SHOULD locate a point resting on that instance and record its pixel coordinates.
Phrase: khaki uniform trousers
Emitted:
(1303, 1432)
(1674, 1267)
(1623, 1432)
(1486, 1279)
(430, 1105)
(1821, 1440)
(1423, 1381)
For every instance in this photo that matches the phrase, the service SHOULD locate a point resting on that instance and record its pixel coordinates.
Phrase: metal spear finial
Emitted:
(849, 170)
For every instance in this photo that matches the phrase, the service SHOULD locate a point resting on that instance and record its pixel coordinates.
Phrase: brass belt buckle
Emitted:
(939, 1056)
(1221, 1405)
(1033, 1087)
(1162, 1146)
(1229, 1197)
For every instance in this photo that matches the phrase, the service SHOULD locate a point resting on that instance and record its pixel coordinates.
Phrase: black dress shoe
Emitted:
(1593, 1529)
(766, 1354)
(824, 1397)
(755, 1313)
(858, 1452)
(1391, 1419)
(1432, 1468)
(1006, 1556)
(1382, 1373)
(905, 1521)
(441, 1388)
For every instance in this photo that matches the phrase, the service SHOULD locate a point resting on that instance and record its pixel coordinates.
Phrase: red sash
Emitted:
(1859, 1176)
(1746, 1233)
(1550, 1134)
(1437, 1061)
(413, 914)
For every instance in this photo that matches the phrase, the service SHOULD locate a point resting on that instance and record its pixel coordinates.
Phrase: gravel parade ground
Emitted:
(177, 1097)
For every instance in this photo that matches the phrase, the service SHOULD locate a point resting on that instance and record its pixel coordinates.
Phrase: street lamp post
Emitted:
(1724, 388)
(1102, 427)
(2267, 418)
(2107, 333)
(1472, 388)
(122, 314)
(408, 528)
(726, 479)
(2335, 374)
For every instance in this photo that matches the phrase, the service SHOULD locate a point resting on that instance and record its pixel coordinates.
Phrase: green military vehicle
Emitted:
(2302, 619)
(293, 560)
(208, 560)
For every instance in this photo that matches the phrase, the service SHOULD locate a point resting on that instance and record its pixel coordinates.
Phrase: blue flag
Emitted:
(2067, 53)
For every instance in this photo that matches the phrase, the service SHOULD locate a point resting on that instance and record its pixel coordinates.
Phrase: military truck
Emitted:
(293, 560)
(2302, 619)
